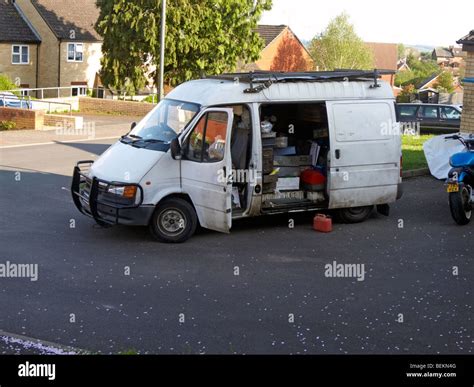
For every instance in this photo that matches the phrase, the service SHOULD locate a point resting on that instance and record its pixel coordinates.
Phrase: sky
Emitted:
(411, 22)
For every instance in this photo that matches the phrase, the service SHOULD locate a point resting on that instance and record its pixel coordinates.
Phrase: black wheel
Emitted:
(354, 214)
(460, 206)
(174, 221)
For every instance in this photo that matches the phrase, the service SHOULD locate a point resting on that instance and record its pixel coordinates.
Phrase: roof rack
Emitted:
(265, 79)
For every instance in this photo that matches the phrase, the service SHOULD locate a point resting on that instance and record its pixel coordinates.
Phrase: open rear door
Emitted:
(206, 168)
(365, 151)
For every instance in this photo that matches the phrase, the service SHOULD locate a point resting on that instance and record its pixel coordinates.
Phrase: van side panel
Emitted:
(365, 148)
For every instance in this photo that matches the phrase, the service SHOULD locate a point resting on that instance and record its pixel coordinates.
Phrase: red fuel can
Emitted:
(322, 223)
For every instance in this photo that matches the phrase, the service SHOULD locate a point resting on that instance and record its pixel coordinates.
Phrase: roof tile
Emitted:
(269, 32)
(13, 27)
(385, 55)
(64, 16)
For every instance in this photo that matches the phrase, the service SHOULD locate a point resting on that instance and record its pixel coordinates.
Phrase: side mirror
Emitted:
(175, 149)
(133, 125)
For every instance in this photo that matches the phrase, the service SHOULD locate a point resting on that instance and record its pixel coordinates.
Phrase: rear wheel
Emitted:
(174, 221)
(354, 214)
(459, 203)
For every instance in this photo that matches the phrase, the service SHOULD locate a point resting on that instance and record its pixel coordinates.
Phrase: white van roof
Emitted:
(209, 92)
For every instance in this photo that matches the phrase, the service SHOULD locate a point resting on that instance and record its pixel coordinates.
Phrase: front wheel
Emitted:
(459, 203)
(174, 221)
(354, 214)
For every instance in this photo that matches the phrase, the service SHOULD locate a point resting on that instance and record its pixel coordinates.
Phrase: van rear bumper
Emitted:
(88, 197)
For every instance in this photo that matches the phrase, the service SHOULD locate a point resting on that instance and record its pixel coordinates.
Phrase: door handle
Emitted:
(338, 153)
(228, 178)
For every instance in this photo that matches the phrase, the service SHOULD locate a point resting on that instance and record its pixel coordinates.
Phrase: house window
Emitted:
(79, 91)
(20, 54)
(75, 52)
(24, 93)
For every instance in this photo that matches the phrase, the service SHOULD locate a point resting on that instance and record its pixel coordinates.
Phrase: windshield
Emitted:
(166, 121)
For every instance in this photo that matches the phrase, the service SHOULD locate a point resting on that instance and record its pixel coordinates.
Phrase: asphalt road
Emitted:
(187, 299)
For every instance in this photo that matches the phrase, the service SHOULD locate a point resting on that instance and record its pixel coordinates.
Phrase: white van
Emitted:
(240, 145)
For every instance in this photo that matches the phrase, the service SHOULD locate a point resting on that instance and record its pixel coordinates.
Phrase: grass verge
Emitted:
(412, 149)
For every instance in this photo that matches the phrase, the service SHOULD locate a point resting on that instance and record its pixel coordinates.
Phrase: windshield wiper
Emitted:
(152, 140)
(125, 136)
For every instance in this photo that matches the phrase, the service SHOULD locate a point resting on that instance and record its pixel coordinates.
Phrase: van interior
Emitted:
(295, 142)
(295, 146)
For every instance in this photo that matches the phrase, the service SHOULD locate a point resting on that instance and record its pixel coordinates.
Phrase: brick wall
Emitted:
(63, 121)
(467, 118)
(269, 53)
(109, 106)
(23, 118)
(20, 74)
(48, 49)
(84, 71)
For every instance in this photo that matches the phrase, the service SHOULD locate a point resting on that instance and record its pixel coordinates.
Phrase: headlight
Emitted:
(127, 191)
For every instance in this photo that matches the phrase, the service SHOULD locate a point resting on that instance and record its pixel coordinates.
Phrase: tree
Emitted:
(419, 70)
(401, 51)
(202, 36)
(407, 94)
(6, 83)
(289, 56)
(339, 47)
(445, 82)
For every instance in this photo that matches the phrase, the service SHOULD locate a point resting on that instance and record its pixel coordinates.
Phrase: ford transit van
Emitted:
(243, 145)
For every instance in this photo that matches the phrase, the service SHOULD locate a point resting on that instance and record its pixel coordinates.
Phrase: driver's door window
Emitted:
(206, 142)
(449, 113)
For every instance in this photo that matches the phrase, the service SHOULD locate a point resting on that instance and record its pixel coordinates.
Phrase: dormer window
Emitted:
(75, 52)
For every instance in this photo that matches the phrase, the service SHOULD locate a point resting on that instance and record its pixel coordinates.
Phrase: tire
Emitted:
(174, 221)
(102, 224)
(354, 214)
(461, 209)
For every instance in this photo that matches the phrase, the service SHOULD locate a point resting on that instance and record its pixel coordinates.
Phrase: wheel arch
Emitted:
(180, 195)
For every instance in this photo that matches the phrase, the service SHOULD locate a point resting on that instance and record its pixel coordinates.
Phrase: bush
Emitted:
(7, 125)
(419, 70)
(149, 99)
(407, 94)
(6, 83)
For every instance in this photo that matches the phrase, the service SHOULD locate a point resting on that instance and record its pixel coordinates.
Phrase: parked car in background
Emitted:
(431, 117)
(8, 99)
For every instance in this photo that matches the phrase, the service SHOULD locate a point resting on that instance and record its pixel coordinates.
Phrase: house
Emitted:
(68, 48)
(451, 58)
(428, 90)
(467, 119)
(282, 51)
(19, 46)
(385, 57)
(402, 65)
(442, 55)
